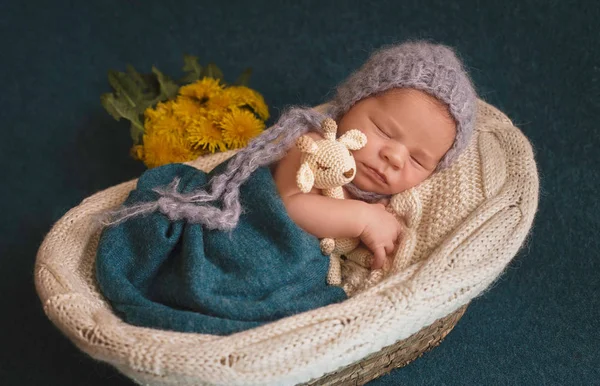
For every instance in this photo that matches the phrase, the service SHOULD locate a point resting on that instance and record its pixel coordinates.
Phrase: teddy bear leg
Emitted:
(361, 256)
(353, 277)
(377, 275)
(327, 245)
(334, 276)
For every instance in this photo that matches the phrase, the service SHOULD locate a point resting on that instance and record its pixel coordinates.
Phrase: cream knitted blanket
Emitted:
(464, 226)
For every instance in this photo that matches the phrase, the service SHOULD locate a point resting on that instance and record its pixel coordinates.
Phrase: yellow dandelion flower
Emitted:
(161, 121)
(160, 110)
(137, 152)
(202, 89)
(239, 127)
(186, 109)
(202, 133)
(157, 151)
(215, 116)
(244, 96)
(220, 101)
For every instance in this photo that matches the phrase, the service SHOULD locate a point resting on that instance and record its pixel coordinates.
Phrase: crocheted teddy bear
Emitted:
(328, 164)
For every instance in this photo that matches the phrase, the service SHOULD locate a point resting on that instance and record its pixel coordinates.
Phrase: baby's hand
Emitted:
(380, 233)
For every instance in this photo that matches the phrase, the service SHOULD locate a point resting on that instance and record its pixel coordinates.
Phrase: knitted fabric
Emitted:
(178, 276)
(464, 225)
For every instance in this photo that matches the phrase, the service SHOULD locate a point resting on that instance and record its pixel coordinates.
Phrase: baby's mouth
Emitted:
(380, 177)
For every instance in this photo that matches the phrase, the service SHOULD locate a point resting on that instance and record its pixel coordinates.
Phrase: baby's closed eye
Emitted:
(416, 160)
(382, 133)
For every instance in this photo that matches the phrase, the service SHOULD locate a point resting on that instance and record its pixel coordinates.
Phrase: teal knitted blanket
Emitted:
(179, 276)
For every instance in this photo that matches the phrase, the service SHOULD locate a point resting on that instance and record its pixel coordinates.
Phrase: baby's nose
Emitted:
(396, 157)
(349, 173)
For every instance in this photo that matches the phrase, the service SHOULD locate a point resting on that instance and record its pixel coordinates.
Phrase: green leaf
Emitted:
(116, 80)
(192, 68)
(130, 87)
(244, 78)
(147, 84)
(168, 88)
(108, 102)
(136, 130)
(213, 71)
(118, 107)
(135, 76)
(138, 91)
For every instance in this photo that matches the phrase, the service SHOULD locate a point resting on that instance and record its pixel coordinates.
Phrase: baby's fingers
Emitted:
(399, 230)
(379, 257)
(389, 249)
(384, 202)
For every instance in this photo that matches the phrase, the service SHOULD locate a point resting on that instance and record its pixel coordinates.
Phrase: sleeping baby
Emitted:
(408, 133)
(239, 247)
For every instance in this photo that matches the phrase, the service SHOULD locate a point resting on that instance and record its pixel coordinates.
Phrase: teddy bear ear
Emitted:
(329, 128)
(305, 179)
(307, 145)
(353, 139)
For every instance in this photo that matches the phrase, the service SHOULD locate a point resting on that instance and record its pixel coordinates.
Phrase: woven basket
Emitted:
(392, 357)
(464, 225)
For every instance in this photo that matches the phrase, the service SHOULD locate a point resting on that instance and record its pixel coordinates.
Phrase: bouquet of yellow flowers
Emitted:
(179, 121)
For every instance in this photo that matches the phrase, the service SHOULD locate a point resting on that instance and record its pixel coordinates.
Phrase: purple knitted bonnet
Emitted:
(432, 68)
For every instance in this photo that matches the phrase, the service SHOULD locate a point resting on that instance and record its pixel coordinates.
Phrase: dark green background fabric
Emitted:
(539, 61)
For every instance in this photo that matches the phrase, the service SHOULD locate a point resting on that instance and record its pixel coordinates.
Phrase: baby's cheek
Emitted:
(360, 181)
(358, 154)
(398, 185)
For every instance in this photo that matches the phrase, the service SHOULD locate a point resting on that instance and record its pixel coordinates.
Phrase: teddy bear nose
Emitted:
(349, 173)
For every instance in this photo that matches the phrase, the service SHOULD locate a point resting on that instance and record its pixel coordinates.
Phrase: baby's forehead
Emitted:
(403, 96)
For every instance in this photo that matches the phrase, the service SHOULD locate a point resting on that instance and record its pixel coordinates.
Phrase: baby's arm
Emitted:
(318, 215)
(329, 217)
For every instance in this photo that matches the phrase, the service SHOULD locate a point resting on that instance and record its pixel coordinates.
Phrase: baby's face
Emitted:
(408, 132)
